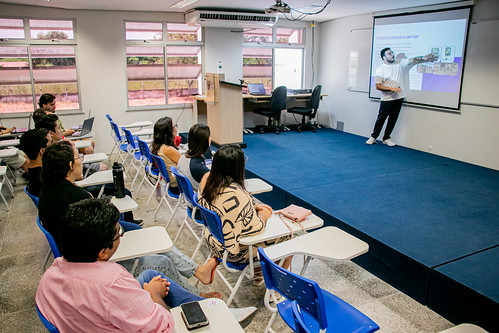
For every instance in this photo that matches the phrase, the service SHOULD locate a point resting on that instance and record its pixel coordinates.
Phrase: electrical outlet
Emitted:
(430, 148)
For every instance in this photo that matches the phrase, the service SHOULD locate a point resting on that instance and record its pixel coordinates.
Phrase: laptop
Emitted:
(256, 89)
(86, 127)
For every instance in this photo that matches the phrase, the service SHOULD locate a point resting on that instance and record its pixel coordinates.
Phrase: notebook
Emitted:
(86, 128)
(256, 89)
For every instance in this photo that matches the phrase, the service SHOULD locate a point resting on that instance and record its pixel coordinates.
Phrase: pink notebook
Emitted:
(295, 213)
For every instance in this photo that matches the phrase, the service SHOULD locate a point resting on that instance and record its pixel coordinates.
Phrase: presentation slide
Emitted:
(441, 33)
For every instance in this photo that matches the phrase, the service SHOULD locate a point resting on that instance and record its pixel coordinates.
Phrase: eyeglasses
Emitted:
(246, 158)
(175, 126)
(81, 157)
(120, 234)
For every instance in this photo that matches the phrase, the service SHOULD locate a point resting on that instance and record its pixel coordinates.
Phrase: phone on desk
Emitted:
(193, 315)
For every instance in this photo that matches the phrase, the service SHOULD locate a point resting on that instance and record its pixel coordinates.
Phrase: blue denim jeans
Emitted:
(176, 295)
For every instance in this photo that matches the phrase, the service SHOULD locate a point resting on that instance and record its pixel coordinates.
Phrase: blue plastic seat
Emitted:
(214, 224)
(50, 327)
(119, 142)
(160, 164)
(35, 199)
(320, 310)
(53, 246)
(187, 194)
(151, 170)
(135, 153)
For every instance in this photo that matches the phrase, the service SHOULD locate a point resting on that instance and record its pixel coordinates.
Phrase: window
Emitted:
(257, 66)
(49, 29)
(148, 85)
(53, 68)
(273, 57)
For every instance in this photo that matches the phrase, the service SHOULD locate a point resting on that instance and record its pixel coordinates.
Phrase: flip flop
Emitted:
(212, 294)
(214, 268)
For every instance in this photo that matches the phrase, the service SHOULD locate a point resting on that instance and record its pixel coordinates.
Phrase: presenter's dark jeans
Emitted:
(390, 110)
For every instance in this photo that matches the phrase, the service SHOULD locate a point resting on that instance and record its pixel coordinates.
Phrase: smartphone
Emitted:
(193, 315)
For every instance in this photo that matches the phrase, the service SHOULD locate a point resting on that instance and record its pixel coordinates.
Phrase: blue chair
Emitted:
(214, 224)
(53, 246)
(51, 328)
(320, 310)
(187, 194)
(33, 198)
(160, 164)
(119, 142)
(151, 171)
(300, 326)
(134, 152)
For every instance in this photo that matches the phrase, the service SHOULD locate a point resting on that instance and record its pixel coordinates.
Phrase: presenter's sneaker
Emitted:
(389, 143)
(371, 141)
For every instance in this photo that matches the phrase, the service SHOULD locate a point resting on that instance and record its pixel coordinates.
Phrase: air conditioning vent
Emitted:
(229, 19)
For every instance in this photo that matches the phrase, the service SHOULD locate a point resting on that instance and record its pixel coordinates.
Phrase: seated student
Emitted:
(50, 122)
(163, 146)
(84, 292)
(192, 163)
(222, 190)
(61, 167)
(33, 143)
(47, 105)
(17, 161)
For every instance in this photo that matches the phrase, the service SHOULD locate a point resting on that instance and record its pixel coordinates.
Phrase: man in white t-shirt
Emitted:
(389, 80)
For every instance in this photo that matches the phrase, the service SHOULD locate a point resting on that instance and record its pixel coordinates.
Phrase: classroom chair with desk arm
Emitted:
(310, 111)
(273, 112)
(320, 309)
(163, 174)
(187, 195)
(151, 172)
(134, 152)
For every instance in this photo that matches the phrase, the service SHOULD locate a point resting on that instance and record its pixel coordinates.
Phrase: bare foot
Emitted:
(206, 272)
(212, 294)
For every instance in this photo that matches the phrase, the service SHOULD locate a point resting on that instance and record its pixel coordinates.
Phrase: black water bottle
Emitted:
(119, 181)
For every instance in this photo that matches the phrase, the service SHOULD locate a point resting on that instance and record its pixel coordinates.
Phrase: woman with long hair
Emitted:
(163, 146)
(222, 191)
(193, 164)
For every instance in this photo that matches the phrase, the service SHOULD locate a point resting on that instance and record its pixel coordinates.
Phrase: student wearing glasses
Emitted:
(163, 145)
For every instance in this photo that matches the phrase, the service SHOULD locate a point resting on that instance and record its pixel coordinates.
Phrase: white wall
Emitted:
(471, 136)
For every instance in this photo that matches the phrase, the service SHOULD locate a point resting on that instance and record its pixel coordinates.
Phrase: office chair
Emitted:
(310, 111)
(187, 194)
(214, 224)
(321, 310)
(277, 104)
(48, 325)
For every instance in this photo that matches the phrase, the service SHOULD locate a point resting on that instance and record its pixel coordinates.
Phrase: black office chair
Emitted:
(277, 104)
(310, 111)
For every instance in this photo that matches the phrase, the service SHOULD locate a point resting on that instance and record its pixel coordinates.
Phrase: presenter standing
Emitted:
(389, 79)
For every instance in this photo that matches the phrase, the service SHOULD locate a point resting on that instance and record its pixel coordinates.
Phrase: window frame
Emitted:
(165, 43)
(274, 45)
(28, 42)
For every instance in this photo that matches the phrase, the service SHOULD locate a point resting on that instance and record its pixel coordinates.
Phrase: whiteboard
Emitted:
(359, 59)
(481, 68)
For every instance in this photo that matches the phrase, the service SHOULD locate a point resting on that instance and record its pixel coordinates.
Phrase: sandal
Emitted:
(214, 269)
(212, 294)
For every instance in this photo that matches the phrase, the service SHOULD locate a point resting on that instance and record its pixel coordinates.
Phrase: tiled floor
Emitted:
(23, 248)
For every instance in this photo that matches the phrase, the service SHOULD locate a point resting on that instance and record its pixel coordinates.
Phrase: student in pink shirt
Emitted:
(84, 292)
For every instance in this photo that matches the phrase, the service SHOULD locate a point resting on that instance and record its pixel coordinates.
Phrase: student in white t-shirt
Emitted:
(389, 80)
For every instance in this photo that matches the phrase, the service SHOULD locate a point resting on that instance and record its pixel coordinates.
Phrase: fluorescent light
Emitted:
(183, 3)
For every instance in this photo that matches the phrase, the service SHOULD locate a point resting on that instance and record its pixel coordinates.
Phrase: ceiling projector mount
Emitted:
(279, 7)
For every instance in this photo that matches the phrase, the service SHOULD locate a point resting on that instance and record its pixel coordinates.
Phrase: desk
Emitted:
(218, 314)
(82, 144)
(137, 124)
(276, 228)
(144, 132)
(98, 178)
(125, 204)
(328, 243)
(142, 242)
(7, 143)
(86, 136)
(8, 152)
(93, 158)
(257, 186)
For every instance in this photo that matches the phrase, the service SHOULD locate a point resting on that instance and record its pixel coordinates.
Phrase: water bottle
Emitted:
(119, 181)
(219, 67)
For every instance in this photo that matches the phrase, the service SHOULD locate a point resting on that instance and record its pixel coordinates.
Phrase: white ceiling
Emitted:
(336, 9)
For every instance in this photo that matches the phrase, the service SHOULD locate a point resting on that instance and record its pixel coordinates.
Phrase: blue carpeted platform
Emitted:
(416, 210)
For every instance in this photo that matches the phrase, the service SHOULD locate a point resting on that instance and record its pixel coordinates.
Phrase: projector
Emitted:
(279, 7)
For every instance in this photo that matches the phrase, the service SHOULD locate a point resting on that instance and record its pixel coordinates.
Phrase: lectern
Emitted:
(224, 109)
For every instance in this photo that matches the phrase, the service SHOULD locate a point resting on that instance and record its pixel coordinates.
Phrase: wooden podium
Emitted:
(224, 109)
